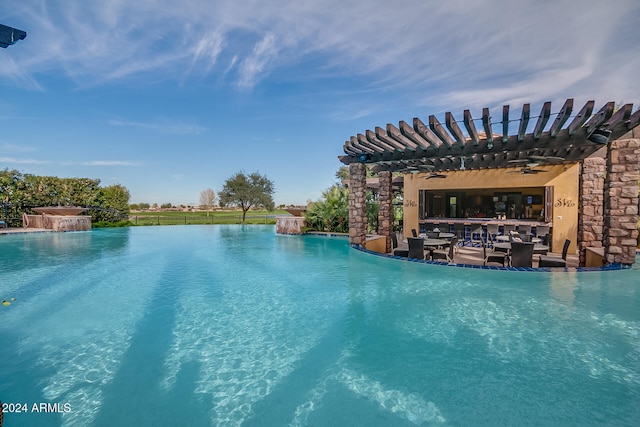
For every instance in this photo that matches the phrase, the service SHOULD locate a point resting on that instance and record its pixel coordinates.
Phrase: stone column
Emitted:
(357, 212)
(621, 201)
(591, 205)
(385, 211)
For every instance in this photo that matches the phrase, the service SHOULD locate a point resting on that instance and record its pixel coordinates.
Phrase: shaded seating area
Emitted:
(553, 261)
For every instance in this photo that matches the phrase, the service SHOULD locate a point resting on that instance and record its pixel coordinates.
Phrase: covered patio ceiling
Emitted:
(422, 148)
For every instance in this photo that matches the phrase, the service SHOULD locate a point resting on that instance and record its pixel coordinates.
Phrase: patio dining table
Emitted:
(537, 248)
(506, 238)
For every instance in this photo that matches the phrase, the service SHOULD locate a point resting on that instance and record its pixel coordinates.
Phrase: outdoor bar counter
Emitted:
(484, 221)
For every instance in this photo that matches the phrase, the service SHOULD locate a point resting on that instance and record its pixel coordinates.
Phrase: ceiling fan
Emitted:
(528, 170)
(417, 169)
(533, 161)
(435, 175)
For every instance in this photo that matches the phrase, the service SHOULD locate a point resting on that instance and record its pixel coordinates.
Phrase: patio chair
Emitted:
(542, 230)
(433, 235)
(554, 261)
(459, 231)
(524, 237)
(508, 228)
(398, 251)
(416, 248)
(524, 229)
(445, 254)
(476, 236)
(521, 254)
(492, 233)
(500, 257)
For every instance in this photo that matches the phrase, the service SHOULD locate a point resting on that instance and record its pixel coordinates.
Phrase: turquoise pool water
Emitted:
(232, 325)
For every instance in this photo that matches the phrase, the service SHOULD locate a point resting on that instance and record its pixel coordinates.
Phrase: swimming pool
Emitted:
(233, 325)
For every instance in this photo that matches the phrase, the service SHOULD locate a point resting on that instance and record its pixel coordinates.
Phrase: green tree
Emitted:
(246, 192)
(331, 213)
(113, 204)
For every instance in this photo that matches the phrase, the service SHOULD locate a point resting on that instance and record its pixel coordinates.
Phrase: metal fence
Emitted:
(196, 219)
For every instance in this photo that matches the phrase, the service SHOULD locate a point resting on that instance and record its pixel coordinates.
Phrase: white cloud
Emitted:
(434, 50)
(110, 163)
(264, 52)
(14, 160)
(163, 127)
(13, 148)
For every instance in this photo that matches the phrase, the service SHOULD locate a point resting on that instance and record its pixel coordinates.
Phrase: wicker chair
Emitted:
(443, 254)
(522, 254)
(398, 251)
(554, 261)
(416, 248)
(500, 257)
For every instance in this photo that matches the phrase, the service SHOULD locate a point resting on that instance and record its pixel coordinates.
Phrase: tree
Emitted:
(246, 192)
(207, 199)
(331, 213)
(114, 204)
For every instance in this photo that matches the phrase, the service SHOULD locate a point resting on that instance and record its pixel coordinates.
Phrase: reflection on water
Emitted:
(234, 325)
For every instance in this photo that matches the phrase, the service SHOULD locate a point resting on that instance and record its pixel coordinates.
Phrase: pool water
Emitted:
(233, 325)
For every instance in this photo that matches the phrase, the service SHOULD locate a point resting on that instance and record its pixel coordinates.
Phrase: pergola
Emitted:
(432, 148)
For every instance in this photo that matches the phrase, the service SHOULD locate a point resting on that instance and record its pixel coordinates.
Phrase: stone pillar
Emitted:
(621, 201)
(385, 211)
(591, 205)
(357, 210)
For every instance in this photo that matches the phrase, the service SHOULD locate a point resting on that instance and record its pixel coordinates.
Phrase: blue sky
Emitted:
(170, 98)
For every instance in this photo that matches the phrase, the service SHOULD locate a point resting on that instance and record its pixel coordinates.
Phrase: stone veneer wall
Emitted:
(621, 201)
(385, 211)
(591, 205)
(357, 212)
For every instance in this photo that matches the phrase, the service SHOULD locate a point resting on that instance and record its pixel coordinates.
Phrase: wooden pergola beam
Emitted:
(634, 120)
(395, 133)
(581, 118)
(453, 127)
(524, 121)
(486, 124)
(600, 117)
(376, 145)
(561, 118)
(471, 128)
(621, 116)
(542, 120)
(437, 129)
(505, 124)
(410, 133)
(426, 133)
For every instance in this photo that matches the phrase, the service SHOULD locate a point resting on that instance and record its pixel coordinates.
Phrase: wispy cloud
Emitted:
(13, 160)
(163, 127)
(438, 51)
(14, 148)
(110, 163)
(254, 66)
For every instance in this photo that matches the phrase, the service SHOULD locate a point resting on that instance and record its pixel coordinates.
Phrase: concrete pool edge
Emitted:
(611, 267)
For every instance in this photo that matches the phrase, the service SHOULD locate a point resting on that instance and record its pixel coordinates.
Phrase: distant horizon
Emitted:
(170, 99)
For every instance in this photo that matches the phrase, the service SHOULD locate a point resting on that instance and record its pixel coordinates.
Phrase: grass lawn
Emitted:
(214, 217)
